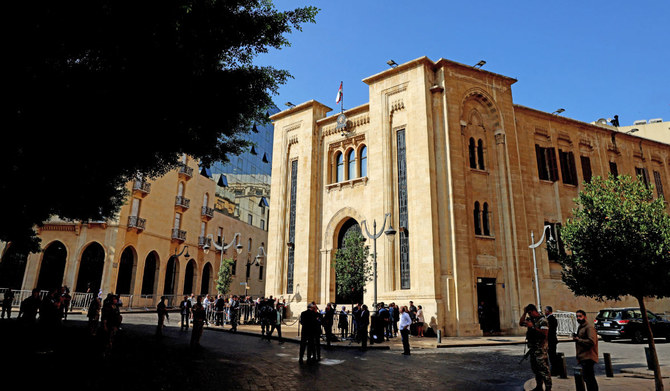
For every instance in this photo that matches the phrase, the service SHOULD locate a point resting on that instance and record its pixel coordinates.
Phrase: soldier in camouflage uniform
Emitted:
(538, 328)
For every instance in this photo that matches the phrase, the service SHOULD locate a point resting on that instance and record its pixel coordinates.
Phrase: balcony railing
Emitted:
(202, 240)
(178, 234)
(137, 223)
(207, 212)
(141, 186)
(182, 202)
(185, 171)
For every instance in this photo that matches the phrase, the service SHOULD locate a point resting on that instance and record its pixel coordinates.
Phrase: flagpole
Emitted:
(342, 99)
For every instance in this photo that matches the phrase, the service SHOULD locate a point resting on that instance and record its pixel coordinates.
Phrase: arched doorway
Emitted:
(89, 278)
(124, 279)
(171, 274)
(350, 225)
(150, 273)
(205, 285)
(189, 277)
(12, 268)
(53, 267)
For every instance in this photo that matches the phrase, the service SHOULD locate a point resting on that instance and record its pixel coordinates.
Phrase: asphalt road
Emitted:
(227, 361)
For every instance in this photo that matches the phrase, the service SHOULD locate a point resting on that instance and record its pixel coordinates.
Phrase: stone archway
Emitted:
(349, 225)
(91, 266)
(149, 277)
(52, 267)
(126, 274)
(171, 276)
(189, 277)
(206, 284)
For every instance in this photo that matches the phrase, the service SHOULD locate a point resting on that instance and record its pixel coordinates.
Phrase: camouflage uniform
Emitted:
(537, 346)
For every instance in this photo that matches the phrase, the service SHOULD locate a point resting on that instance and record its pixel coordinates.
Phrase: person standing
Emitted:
(185, 312)
(328, 320)
(199, 318)
(7, 303)
(552, 340)
(30, 306)
(405, 323)
(363, 323)
(66, 301)
(396, 319)
(586, 346)
(93, 316)
(307, 321)
(536, 335)
(276, 323)
(392, 316)
(234, 310)
(355, 319)
(161, 310)
(111, 320)
(420, 321)
(343, 323)
(219, 306)
(412, 311)
(316, 332)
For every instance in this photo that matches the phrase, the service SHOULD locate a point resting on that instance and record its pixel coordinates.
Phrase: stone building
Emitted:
(143, 251)
(465, 175)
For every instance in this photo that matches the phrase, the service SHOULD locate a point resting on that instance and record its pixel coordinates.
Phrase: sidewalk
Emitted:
(638, 379)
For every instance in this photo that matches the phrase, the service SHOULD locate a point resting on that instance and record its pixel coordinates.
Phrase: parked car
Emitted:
(613, 323)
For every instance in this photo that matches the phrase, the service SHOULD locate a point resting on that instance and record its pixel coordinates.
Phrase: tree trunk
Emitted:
(652, 346)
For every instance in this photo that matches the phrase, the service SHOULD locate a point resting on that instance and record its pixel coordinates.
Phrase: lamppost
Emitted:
(174, 264)
(223, 247)
(390, 234)
(258, 261)
(534, 246)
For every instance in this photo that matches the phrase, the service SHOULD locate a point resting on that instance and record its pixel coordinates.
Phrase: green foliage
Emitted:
(99, 91)
(618, 241)
(225, 277)
(352, 267)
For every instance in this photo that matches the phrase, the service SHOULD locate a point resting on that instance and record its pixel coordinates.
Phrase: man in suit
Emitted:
(307, 322)
(363, 324)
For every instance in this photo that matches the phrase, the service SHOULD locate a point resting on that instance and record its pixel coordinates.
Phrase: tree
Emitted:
(352, 267)
(100, 91)
(225, 276)
(619, 239)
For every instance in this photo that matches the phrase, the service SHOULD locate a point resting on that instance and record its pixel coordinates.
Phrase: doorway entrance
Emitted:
(487, 305)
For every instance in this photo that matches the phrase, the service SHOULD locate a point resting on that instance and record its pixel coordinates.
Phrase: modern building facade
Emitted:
(158, 245)
(465, 175)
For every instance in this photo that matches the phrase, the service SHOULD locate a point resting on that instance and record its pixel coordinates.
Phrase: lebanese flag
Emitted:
(339, 94)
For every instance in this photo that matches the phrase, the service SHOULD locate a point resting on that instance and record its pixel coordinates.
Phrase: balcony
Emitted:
(182, 202)
(141, 187)
(202, 240)
(137, 223)
(185, 171)
(207, 213)
(178, 234)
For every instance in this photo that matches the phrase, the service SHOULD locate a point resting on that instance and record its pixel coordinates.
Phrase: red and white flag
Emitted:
(339, 94)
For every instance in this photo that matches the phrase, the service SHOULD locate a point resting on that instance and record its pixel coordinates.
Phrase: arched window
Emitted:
(205, 200)
(351, 164)
(478, 226)
(485, 220)
(363, 162)
(471, 150)
(180, 189)
(480, 154)
(339, 174)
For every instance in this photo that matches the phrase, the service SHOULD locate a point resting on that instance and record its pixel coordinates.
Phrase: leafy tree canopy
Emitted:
(352, 267)
(225, 277)
(619, 239)
(98, 91)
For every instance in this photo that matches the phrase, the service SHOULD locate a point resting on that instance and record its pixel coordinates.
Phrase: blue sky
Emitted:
(592, 58)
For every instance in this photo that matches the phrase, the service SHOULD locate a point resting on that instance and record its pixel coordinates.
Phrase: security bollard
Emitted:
(608, 365)
(564, 366)
(579, 380)
(439, 336)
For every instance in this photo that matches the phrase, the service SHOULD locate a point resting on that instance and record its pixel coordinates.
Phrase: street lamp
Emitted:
(258, 261)
(224, 246)
(534, 246)
(390, 234)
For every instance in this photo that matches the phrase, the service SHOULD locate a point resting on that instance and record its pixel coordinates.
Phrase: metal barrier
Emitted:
(81, 300)
(567, 322)
(20, 295)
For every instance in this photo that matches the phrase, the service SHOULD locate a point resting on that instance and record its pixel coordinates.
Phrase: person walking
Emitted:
(185, 312)
(67, 299)
(363, 323)
(276, 323)
(586, 346)
(552, 340)
(161, 310)
(420, 321)
(7, 303)
(111, 320)
(199, 318)
(405, 323)
(536, 335)
(29, 307)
